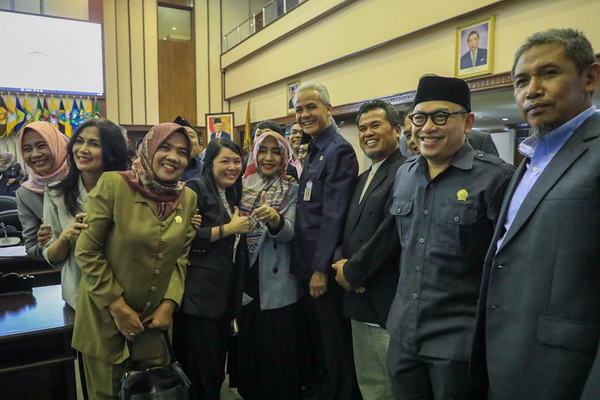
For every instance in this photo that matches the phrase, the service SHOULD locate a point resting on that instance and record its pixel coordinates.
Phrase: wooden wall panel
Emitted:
(151, 61)
(110, 62)
(123, 62)
(177, 80)
(138, 68)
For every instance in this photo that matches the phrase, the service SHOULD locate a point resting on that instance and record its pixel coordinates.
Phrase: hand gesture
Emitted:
(196, 220)
(265, 213)
(238, 223)
(318, 284)
(44, 233)
(71, 233)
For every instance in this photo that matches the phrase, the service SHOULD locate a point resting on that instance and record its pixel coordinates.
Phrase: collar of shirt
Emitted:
(376, 166)
(322, 138)
(539, 150)
(462, 160)
(295, 162)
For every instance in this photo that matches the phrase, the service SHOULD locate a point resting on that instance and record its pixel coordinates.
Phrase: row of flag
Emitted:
(13, 116)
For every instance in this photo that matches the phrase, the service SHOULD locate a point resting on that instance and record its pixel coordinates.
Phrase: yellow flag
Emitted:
(247, 133)
(27, 111)
(11, 118)
(68, 127)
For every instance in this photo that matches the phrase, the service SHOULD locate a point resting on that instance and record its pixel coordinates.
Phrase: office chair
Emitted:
(10, 218)
(8, 203)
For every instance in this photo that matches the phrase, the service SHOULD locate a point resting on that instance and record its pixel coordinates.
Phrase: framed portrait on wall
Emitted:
(474, 53)
(290, 96)
(220, 125)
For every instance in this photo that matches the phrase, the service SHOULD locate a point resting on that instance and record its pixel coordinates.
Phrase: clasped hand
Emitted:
(128, 320)
(72, 232)
(44, 233)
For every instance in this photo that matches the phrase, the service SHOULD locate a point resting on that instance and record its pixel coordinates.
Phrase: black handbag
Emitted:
(157, 383)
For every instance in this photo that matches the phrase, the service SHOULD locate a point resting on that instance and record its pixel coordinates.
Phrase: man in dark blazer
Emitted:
(476, 55)
(538, 326)
(367, 260)
(326, 185)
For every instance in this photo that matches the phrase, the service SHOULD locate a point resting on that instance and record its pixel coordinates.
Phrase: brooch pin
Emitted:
(178, 219)
(462, 195)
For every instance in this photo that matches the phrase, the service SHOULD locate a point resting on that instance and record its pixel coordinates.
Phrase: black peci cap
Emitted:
(432, 88)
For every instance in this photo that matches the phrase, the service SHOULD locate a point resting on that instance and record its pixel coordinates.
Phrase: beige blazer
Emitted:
(127, 251)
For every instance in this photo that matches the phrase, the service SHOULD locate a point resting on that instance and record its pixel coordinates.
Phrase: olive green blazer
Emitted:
(127, 251)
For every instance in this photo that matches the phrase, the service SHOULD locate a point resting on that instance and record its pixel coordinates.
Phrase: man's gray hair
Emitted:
(319, 87)
(577, 46)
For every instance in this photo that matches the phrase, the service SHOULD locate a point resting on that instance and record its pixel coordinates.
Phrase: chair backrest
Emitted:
(10, 218)
(8, 203)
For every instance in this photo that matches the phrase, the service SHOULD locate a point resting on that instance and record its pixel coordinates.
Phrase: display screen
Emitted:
(50, 55)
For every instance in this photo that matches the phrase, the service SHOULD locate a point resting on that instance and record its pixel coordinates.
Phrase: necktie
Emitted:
(473, 57)
(367, 183)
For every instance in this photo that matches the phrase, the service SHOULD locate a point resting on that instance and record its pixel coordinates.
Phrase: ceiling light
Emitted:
(174, 28)
(504, 119)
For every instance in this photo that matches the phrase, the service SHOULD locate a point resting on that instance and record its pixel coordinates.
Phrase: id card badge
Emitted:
(307, 191)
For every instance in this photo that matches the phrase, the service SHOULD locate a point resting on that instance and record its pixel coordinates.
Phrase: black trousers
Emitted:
(201, 345)
(331, 333)
(268, 353)
(418, 377)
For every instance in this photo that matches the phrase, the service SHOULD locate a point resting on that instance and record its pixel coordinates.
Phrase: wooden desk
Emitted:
(36, 358)
(43, 272)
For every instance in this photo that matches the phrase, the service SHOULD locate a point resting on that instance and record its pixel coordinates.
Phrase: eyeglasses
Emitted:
(439, 117)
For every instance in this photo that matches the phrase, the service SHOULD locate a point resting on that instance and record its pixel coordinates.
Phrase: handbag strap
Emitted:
(167, 339)
(169, 345)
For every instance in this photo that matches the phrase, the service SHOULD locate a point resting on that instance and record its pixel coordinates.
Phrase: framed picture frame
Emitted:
(474, 54)
(220, 125)
(290, 96)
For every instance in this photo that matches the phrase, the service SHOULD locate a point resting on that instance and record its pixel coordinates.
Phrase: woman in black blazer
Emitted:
(214, 282)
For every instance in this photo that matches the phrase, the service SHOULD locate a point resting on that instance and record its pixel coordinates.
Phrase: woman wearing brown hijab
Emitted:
(133, 259)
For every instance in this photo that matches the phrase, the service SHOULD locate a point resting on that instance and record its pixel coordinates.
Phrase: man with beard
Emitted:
(538, 328)
(367, 261)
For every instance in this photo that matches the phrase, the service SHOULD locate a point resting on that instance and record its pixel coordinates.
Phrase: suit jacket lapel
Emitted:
(379, 177)
(382, 172)
(562, 161)
(355, 207)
